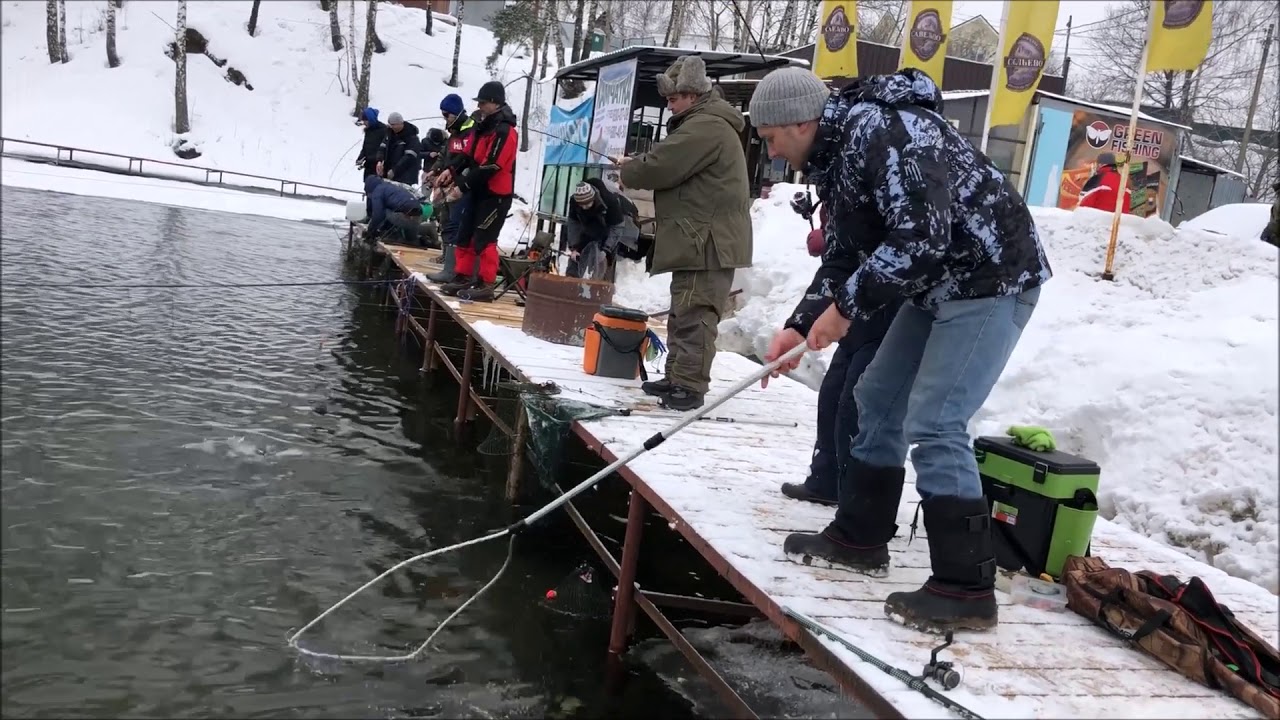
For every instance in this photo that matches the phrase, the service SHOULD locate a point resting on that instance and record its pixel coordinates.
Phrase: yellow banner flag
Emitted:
(1027, 37)
(1180, 34)
(836, 55)
(924, 44)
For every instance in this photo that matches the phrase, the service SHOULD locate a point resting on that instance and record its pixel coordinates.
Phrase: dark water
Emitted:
(188, 475)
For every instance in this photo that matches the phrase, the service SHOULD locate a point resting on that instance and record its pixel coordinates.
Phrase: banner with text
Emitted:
(1027, 37)
(612, 117)
(836, 54)
(1153, 150)
(567, 135)
(924, 44)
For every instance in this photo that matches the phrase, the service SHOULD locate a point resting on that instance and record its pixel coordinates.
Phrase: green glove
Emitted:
(1032, 437)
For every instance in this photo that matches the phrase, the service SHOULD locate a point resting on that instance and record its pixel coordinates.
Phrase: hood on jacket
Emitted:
(370, 183)
(715, 107)
(504, 116)
(906, 87)
(460, 123)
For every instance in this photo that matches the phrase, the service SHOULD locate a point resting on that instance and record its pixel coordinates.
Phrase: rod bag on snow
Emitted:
(1180, 624)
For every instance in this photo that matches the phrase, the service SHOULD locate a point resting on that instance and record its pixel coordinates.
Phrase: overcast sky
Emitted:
(1081, 12)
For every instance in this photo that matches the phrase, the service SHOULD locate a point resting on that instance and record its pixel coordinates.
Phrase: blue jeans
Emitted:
(459, 217)
(935, 370)
(837, 411)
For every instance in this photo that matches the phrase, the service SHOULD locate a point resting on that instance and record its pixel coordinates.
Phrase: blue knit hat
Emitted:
(451, 104)
(370, 114)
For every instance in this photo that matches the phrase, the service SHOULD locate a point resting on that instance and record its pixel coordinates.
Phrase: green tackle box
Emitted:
(1043, 504)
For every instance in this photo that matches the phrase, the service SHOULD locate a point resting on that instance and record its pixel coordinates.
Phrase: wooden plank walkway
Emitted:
(718, 485)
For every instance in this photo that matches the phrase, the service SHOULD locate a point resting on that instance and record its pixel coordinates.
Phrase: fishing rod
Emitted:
(915, 682)
(515, 529)
(570, 142)
(185, 286)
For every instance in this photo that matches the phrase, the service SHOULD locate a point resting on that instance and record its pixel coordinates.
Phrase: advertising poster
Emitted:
(612, 111)
(558, 182)
(567, 135)
(1154, 149)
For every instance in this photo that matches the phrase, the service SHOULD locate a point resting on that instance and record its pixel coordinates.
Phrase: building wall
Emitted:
(1045, 175)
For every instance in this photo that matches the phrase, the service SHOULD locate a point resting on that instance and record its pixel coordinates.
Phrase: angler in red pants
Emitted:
(490, 180)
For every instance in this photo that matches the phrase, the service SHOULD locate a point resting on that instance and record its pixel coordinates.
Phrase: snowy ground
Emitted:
(1166, 377)
(1241, 220)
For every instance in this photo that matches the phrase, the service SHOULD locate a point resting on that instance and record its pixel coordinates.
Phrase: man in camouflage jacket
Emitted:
(931, 221)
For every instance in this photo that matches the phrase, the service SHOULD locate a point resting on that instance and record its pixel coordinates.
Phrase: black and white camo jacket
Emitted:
(914, 210)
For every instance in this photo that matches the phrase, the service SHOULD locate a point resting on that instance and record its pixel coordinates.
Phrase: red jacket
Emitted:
(1102, 195)
(494, 151)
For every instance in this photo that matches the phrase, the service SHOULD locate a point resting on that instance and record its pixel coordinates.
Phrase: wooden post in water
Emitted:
(624, 604)
(464, 382)
(515, 470)
(429, 342)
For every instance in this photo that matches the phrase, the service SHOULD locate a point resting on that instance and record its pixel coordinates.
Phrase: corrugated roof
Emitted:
(1188, 160)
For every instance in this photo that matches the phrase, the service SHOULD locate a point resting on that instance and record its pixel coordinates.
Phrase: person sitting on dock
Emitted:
(594, 211)
(374, 133)
(490, 181)
(400, 155)
(702, 200)
(391, 206)
(454, 160)
(957, 245)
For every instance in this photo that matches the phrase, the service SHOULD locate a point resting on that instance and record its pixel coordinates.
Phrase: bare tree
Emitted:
(351, 44)
(545, 19)
(556, 31)
(253, 18)
(335, 30)
(362, 87)
(51, 30)
(528, 79)
(113, 60)
(457, 44)
(62, 32)
(430, 27)
(579, 8)
(181, 121)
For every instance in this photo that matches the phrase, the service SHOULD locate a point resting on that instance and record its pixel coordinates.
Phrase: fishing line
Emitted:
(519, 526)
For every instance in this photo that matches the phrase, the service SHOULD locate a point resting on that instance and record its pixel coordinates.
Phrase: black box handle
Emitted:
(1039, 472)
(980, 455)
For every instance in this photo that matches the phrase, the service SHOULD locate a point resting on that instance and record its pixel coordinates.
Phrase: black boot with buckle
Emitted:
(960, 594)
(656, 388)
(858, 538)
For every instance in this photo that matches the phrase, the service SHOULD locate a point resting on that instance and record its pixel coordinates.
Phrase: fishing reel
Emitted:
(802, 204)
(942, 672)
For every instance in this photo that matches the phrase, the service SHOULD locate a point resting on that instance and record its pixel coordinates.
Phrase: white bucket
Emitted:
(356, 211)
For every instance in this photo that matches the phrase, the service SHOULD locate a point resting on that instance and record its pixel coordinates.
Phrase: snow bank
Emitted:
(1166, 377)
(1241, 220)
(295, 124)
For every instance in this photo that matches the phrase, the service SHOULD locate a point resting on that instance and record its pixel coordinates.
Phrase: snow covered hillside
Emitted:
(296, 123)
(1167, 377)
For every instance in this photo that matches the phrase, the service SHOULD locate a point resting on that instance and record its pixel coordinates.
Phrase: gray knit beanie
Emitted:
(395, 118)
(788, 96)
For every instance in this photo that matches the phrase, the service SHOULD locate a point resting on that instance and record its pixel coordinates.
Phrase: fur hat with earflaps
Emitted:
(688, 74)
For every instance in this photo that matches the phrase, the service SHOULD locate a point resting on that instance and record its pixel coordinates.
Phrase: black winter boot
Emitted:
(657, 388)
(680, 398)
(960, 594)
(459, 283)
(446, 273)
(478, 293)
(801, 491)
(858, 538)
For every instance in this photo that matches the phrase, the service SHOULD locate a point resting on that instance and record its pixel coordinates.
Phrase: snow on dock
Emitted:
(718, 485)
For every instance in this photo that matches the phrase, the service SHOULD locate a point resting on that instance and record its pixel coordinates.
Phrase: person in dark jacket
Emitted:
(374, 133)
(1100, 190)
(391, 206)
(455, 159)
(837, 411)
(938, 227)
(433, 148)
(1271, 233)
(400, 156)
(593, 211)
(490, 181)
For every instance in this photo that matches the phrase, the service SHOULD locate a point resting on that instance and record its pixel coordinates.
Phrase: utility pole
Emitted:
(1066, 53)
(1253, 104)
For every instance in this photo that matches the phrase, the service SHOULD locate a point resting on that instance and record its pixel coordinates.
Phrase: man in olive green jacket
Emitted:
(702, 202)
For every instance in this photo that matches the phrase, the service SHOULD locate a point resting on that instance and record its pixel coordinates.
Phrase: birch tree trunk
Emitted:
(253, 18)
(559, 36)
(366, 65)
(181, 121)
(51, 30)
(457, 44)
(62, 32)
(113, 60)
(351, 45)
(335, 29)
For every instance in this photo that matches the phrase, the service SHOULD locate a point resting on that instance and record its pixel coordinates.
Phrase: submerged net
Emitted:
(584, 593)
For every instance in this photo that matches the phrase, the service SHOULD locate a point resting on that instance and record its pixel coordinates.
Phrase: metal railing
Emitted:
(63, 154)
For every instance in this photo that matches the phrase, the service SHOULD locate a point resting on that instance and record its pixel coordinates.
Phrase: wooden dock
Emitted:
(718, 487)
